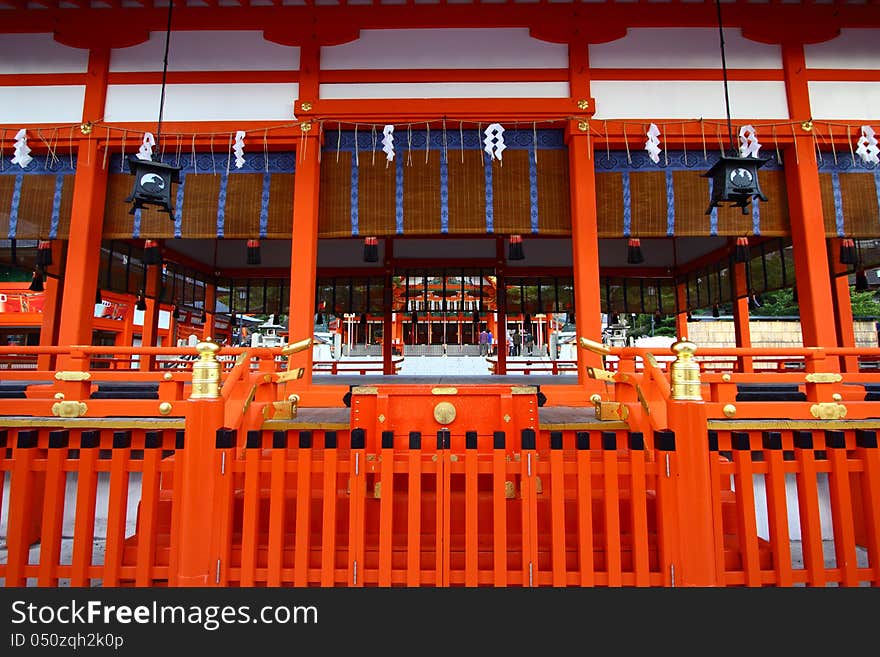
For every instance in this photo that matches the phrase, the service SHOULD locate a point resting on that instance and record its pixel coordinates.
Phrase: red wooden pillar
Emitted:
(584, 245)
(843, 317)
(501, 306)
(150, 331)
(51, 306)
(86, 216)
(681, 309)
(304, 249)
(805, 205)
(387, 313)
(741, 328)
(208, 328)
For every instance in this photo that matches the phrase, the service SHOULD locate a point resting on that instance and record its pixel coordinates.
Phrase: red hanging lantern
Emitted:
(515, 249)
(742, 249)
(634, 251)
(253, 252)
(371, 249)
(44, 253)
(152, 255)
(848, 251)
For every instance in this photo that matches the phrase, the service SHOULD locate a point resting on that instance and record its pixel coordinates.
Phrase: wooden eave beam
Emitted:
(554, 22)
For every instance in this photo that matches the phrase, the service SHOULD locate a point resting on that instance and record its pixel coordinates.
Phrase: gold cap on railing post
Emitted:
(206, 371)
(685, 372)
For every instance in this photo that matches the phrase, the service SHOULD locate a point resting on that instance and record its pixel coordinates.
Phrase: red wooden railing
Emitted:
(229, 490)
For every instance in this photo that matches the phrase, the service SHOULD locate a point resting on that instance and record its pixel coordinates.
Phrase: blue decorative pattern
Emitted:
(756, 216)
(670, 204)
(490, 210)
(533, 188)
(473, 140)
(56, 207)
(354, 197)
(639, 160)
(444, 192)
(13, 210)
(136, 225)
(42, 165)
(713, 215)
(838, 203)
(877, 185)
(845, 164)
(221, 205)
(264, 205)
(178, 207)
(627, 211)
(280, 162)
(398, 194)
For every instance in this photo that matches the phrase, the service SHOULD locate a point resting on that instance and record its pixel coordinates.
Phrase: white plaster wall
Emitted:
(445, 48)
(688, 99)
(56, 104)
(202, 102)
(853, 49)
(683, 47)
(447, 90)
(858, 101)
(206, 51)
(39, 53)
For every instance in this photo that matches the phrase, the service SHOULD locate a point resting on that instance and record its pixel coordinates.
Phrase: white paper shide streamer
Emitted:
(748, 142)
(493, 143)
(652, 145)
(238, 149)
(388, 142)
(22, 151)
(145, 152)
(867, 146)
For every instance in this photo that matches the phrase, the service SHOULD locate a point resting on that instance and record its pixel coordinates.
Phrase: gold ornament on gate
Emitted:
(444, 412)
(206, 371)
(685, 372)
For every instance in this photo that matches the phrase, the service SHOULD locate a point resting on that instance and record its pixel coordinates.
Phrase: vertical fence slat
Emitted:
(808, 505)
(277, 480)
(414, 511)
(499, 509)
(86, 497)
(443, 524)
(747, 525)
(176, 506)
(116, 507)
(386, 508)
(611, 495)
(53, 509)
(667, 505)
(224, 511)
(356, 501)
(720, 483)
(868, 453)
(303, 509)
(329, 501)
(638, 510)
(471, 521)
(841, 508)
(22, 507)
(586, 559)
(147, 514)
(250, 508)
(777, 509)
(529, 502)
(557, 510)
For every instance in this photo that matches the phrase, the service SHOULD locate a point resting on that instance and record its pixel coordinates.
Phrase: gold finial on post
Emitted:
(206, 371)
(685, 372)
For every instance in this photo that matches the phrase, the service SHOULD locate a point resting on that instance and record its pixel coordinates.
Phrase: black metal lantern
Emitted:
(735, 182)
(152, 184)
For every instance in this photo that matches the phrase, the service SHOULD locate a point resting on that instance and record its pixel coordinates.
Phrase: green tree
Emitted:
(864, 304)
